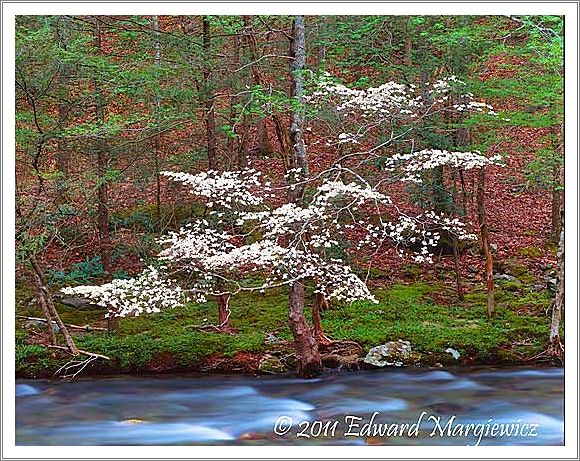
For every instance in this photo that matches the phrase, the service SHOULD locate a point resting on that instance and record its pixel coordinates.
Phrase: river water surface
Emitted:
(334, 409)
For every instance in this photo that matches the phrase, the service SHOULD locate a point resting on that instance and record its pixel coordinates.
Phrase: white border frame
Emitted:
(569, 9)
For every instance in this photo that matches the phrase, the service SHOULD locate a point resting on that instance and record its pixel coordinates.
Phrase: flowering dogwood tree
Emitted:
(290, 244)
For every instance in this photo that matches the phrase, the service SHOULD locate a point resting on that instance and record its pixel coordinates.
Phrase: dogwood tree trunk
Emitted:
(306, 347)
(320, 304)
(224, 313)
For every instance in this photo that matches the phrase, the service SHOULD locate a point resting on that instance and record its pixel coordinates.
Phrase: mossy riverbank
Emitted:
(426, 315)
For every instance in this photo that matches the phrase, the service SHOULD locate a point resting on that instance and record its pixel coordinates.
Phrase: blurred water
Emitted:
(188, 410)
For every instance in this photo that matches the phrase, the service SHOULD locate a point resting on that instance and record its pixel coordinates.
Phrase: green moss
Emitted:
(403, 312)
(530, 252)
(142, 217)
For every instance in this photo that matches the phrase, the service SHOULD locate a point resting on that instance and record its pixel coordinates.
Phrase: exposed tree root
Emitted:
(554, 352)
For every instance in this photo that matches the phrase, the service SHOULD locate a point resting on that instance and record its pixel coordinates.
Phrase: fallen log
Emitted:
(74, 327)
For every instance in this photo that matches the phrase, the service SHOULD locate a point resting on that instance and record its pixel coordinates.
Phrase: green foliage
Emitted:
(405, 312)
(544, 171)
(79, 273)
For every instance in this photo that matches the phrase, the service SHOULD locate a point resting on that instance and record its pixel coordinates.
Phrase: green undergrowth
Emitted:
(173, 341)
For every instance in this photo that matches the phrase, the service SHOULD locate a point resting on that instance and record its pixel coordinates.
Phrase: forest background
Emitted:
(105, 104)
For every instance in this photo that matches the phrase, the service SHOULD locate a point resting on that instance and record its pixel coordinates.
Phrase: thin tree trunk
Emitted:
(224, 313)
(484, 233)
(243, 144)
(458, 282)
(238, 145)
(157, 141)
(558, 305)
(208, 99)
(463, 193)
(556, 211)
(282, 132)
(306, 347)
(63, 106)
(408, 46)
(102, 165)
(51, 309)
(320, 304)
(233, 141)
(45, 311)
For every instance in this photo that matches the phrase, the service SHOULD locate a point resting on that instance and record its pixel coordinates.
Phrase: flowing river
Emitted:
(486, 406)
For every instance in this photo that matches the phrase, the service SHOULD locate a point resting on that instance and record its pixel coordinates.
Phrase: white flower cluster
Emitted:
(290, 243)
(225, 189)
(393, 100)
(149, 292)
(348, 138)
(475, 106)
(414, 163)
(194, 243)
(388, 98)
(338, 189)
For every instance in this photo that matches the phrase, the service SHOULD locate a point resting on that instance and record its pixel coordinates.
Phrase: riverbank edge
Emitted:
(252, 364)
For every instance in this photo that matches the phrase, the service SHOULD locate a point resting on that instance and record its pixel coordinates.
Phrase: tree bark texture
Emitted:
(484, 233)
(208, 99)
(102, 166)
(52, 313)
(558, 305)
(306, 348)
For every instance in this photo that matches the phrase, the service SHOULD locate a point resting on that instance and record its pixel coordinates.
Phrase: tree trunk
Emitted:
(102, 166)
(484, 233)
(306, 347)
(208, 99)
(63, 106)
(558, 305)
(238, 145)
(556, 211)
(264, 145)
(282, 132)
(224, 313)
(52, 313)
(113, 323)
(408, 46)
(45, 311)
(309, 363)
(157, 141)
(320, 304)
(458, 282)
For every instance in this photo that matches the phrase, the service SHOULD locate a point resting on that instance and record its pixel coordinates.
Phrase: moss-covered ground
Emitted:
(173, 341)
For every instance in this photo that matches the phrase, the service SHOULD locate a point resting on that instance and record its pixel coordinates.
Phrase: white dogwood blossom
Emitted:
(149, 292)
(225, 189)
(412, 164)
(279, 245)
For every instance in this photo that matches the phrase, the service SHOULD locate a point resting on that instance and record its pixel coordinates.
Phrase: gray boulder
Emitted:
(392, 353)
(271, 365)
(78, 303)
